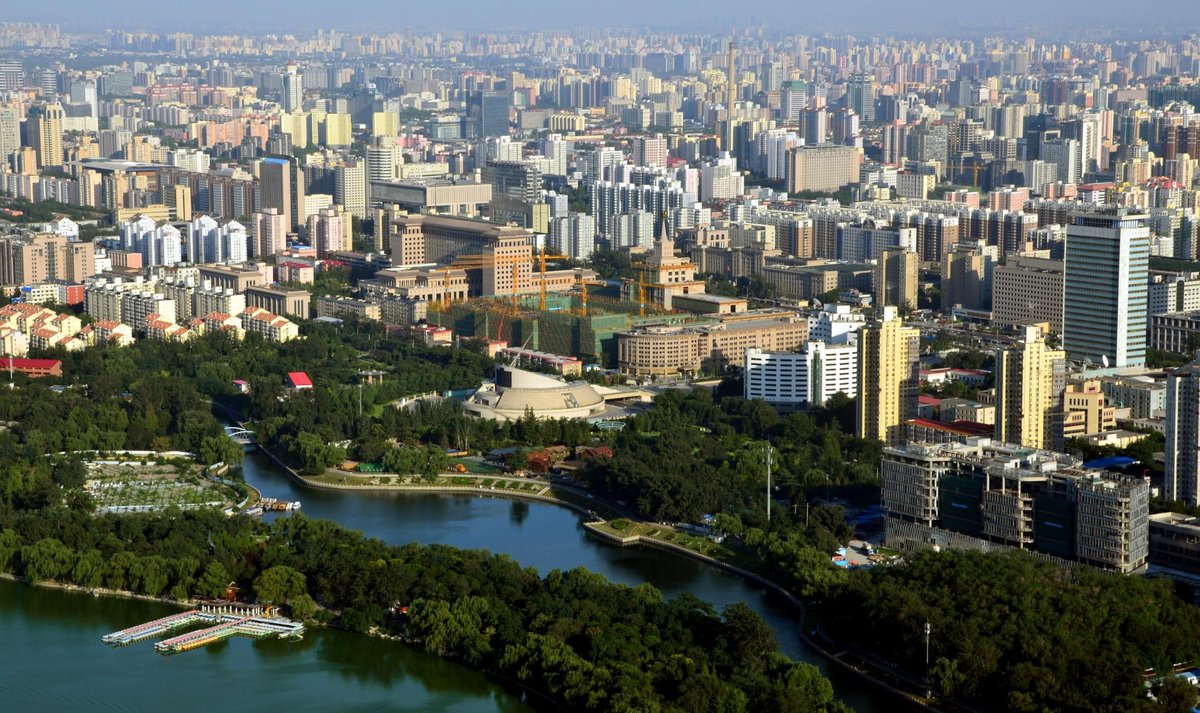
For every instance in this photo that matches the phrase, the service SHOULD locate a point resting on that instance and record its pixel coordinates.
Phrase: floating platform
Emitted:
(254, 628)
(223, 620)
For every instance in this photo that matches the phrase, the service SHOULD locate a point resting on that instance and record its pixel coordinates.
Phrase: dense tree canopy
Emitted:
(1010, 633)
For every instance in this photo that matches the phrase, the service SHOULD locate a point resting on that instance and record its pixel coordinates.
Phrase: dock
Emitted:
(254, 628)
(151, 629)
(223, 620)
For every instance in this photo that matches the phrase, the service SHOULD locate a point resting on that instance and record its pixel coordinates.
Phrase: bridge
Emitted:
(240, 435)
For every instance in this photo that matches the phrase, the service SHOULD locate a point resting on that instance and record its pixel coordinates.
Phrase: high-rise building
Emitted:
(210, 242)
(350, 187)
(43, 257)
(860, 96)
(293, 90)
(650, 151)
(1182, 480)
(270, 232)
(1105, 286)
(968, 494)
(329, 231)
(10, 133)
(44, 125)
(487, 114)
(887, 377)
(807, 378)
(573, 235)
(158, 243)
(894, 280)
(1029, 383)
(823, 168)
(967, 276)
(282, 188)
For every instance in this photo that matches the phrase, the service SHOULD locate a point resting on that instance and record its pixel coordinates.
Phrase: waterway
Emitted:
(53, 658)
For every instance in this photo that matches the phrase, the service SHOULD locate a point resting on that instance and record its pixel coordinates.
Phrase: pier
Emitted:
(223, 620)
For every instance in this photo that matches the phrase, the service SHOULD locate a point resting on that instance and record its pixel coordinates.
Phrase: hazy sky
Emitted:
(856, 16)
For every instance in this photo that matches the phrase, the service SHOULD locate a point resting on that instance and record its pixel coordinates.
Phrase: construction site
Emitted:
(569, 324)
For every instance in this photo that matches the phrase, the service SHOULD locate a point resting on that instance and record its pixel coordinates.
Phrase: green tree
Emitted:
(89, 570)
(47, 559)
(213, 580)
(220, 449)
(279, 585)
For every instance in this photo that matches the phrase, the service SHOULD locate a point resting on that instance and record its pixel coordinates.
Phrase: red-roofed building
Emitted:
(33, 368)
(299, 380)
(929, 431)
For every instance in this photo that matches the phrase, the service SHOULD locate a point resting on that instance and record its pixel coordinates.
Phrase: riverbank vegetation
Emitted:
(584, 643)
(1010, 633)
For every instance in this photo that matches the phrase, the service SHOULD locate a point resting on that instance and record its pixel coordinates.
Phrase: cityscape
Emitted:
(713, 364)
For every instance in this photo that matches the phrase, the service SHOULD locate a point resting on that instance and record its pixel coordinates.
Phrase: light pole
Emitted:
(768, 482)
(928, 682)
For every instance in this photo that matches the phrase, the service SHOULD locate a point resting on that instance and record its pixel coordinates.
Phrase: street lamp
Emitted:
(928, 681)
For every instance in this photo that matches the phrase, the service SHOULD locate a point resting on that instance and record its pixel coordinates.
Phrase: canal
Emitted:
(59, 662)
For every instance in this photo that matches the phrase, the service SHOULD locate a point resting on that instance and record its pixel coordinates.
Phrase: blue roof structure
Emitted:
(1111, 462)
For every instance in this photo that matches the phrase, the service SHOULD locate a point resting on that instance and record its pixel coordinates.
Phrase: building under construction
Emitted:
(564, 327)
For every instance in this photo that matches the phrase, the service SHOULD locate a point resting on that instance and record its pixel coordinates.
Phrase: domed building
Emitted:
(516, 391)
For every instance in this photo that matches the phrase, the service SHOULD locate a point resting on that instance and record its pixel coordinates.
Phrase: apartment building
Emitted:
(330, 306)
(38, 258)
(982, 494)
(271, 327)
(808, 377)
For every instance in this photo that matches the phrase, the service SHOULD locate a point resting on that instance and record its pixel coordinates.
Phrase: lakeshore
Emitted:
(859, 668)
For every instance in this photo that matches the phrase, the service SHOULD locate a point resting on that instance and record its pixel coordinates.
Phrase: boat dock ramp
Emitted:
(223, 620)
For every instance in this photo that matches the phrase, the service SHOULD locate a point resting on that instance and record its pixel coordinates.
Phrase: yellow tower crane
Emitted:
(542, 257)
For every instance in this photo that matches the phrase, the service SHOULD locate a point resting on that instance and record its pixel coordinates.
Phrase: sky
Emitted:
(710, 16)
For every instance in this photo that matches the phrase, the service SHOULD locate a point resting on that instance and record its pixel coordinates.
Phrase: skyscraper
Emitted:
(487, 114)
(329, 231)
(44, 126)
(270, 233)
(887, 378)
(894, 279)
(731, 91)
(1182, 481)
(1105, 285)
(282, 188)
(860, 96)
(1029, 381)
(293, 90)
(10, 133)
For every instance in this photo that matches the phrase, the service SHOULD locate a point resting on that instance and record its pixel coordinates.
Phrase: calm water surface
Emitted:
(52, 658)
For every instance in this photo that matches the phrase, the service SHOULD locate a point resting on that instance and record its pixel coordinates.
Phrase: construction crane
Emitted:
(483, 261)
(642, 268)
(542, 257)
(583, 282)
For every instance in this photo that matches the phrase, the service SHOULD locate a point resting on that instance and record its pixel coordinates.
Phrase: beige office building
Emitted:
(887, 378)
(498, 258)
(1029, 381)
(1028, 290)
(279, 300)
(894, 279)
(42, 257)
(236, 277)
(661, 351)
(824, 168)
(44, 125)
